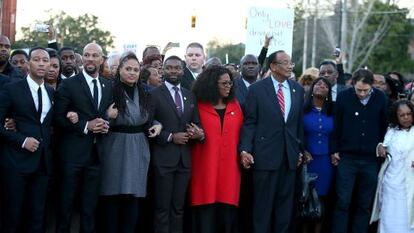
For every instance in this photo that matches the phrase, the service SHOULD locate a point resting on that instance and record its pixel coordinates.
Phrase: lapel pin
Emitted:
(356, 113)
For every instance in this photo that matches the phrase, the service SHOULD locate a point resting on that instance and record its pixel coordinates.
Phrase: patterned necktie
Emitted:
(40, 103)
(95, 93)
(281, 99)
(177, 100)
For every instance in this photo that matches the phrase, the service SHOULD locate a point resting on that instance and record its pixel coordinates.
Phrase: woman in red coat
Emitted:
(215, 181)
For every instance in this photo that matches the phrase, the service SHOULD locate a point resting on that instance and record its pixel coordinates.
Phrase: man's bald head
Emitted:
(4, 49)
(92, 59)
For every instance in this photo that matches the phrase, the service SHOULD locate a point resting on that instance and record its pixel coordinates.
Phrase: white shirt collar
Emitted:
(33, 85)
(171, 86)
(89, 78)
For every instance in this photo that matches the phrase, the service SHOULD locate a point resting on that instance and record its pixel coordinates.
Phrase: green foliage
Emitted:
(71, 32)
(391, 54)
(234, 51)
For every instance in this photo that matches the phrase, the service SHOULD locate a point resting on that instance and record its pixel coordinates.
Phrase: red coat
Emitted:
(215, 163)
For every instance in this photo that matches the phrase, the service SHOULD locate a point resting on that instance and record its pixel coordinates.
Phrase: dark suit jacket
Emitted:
(74, 94)
(168, 154)
(187, 79)
(3, 80)
(241, 91)
(265, 133)
(17, 101)
(14, 73)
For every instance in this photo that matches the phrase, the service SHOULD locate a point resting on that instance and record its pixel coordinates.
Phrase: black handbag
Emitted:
(310, 205)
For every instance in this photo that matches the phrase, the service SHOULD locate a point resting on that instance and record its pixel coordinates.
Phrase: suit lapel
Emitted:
(186, 100)
(168, 97)
(270, 89)
(293, 99)
(86, 89)
(28, 96)
(49, 91)
(105, 92)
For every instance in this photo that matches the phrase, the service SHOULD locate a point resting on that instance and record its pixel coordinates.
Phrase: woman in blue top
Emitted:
(318, 126)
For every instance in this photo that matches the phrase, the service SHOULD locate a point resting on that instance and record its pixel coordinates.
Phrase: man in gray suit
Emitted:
(270, 144)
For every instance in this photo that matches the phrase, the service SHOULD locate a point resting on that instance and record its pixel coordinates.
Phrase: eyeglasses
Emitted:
(226, 83)
(285, 63)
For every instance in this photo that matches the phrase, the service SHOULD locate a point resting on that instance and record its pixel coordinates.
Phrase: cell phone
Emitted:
(41, 27)
(337, 52)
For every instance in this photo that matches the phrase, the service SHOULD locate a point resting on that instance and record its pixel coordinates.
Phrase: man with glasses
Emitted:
(328, 70)
(270, 144)
(359, 125)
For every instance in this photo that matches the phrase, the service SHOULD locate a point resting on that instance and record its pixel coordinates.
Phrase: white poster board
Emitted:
(130, 47)
(276, 22)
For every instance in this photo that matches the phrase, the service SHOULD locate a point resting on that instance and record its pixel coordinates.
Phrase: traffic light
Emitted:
(193, 21)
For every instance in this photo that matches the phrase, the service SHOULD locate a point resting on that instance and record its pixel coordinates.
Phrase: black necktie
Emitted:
(40, 103)
(95, 93)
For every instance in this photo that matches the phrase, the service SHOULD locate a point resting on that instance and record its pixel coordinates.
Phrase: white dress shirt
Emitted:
(89, 81)
(46, 103)
(172, 92)
(286, 94)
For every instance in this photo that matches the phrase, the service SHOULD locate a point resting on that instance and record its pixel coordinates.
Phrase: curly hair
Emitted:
(327, 107)
(393, 112)
(149, 59)
(119, 91)
(206, 89)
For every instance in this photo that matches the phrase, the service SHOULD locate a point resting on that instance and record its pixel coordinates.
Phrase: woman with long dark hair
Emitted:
(126, 152)
(215, 181)
(318, 126)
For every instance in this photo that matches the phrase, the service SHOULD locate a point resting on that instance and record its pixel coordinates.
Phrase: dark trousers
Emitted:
(357, 173)
(246, 202)
(214, 218)
(273, 193)
(170, 187)
(86, 179)
(119, 213)
(24, 194)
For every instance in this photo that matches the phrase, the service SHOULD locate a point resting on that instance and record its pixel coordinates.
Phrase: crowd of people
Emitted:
(167, 145)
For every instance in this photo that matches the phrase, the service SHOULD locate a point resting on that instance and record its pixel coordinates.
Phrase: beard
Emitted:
(91, 70)
(174, 80)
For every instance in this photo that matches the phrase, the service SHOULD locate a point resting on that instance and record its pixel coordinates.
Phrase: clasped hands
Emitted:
(192, 132)
(97, 125)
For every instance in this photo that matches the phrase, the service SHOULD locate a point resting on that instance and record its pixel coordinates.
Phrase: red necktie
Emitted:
(281, 99)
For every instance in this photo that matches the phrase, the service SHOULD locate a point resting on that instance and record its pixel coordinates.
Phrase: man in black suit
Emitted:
(5, 67)
(270, 144)
(67, 57)
(194, 60)
(176, 109)
(26, 156)
(328, 70)
(249, 66)
(89, 96)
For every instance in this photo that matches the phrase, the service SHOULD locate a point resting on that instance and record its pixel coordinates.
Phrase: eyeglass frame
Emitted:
(284, 63)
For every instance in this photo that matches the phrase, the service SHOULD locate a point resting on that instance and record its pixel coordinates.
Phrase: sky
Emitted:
(157, 22)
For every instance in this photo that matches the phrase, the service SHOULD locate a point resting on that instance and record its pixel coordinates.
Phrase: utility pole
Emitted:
(344, 27)
(315, 32)
(305, 42)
